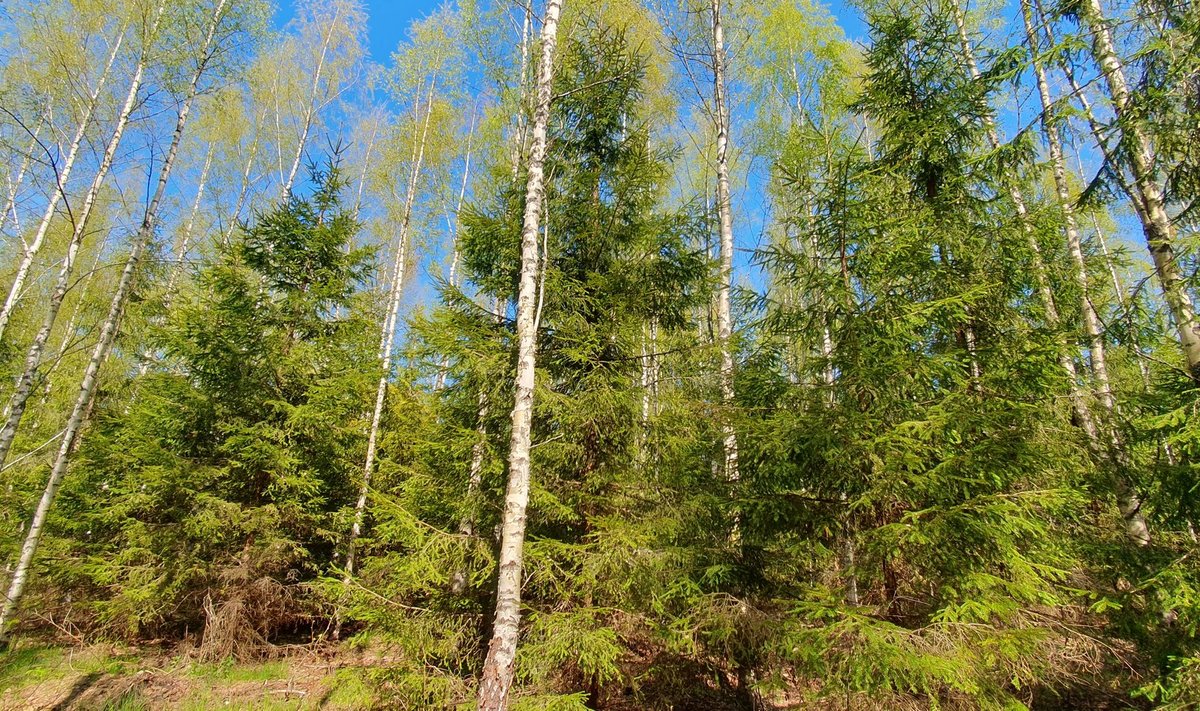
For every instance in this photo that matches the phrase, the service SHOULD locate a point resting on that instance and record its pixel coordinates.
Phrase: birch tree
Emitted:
(387, 339)
(25, 381)
(1127, 499)
(61, 177)
(111, 325)
(725, 229)
(332, 32)
(498, 668)
(1145, 190)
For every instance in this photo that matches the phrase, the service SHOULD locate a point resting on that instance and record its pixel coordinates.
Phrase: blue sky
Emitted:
(388, 21)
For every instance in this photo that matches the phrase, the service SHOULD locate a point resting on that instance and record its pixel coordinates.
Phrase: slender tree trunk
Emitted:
(1128, 501)
(1145, 191)
(456, 226)
(499, 665)
(72, 322)
(725, 220)
(14, 183)
(244, 190)
(1079, 400)
(108, 332)
(362, 178)
(24, 384)
(1119, 290)
(387, 338)
(181, 249)
(311, 110)
(31, 250)
(185, 239)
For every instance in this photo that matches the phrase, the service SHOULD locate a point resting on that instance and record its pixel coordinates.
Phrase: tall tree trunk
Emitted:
(24, 384)
(73, 321)
(456, 225)
(108, 332)
(388, 336)
(1145, 191)
(244, 189)
(1127, 499)
(1079, 400)
(14, 183)
(181, 249)
(499, 665)
(725, 220)
(61, 176)
(185, 238)
(311, 110)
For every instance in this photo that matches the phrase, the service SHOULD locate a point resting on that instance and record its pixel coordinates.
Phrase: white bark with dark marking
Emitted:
(1128, 502)
(725, 226)
(33, 358)
(499, 665)
(29, 253)
(108, 332)
(387, 337)
(1145, 191)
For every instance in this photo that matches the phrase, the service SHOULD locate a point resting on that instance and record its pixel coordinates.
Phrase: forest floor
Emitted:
(108, 678)
(104, 677)
(304, 678)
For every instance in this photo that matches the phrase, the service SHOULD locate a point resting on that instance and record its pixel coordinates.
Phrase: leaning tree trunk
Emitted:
(499, 665)
(108, 332)
(725, 224)
(1145, 191)
(1127, 499)
(387, 338)
(14, 183)
(24, 384)
(31, 250)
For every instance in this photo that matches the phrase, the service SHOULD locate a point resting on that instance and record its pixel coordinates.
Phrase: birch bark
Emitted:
(311, 110)
(388, 336)
(498, 667)
(108, 332)
(31, 250)
(1145, 191)
(725, 219)
(1128, 501)
(24, 384)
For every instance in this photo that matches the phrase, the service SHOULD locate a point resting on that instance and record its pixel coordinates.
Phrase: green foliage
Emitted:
(223, 475)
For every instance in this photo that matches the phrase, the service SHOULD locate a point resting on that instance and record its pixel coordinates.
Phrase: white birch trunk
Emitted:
(181, 250)
(31, 250)
(14, 183)
(24, 384)
(244, 190)
(456, 226)
(72, 322)
(498, 667)
(388, 338)
(1127, 499)
(108, 332)
(311, 110)
(1145, 192)
(725, 219)
(185, 239)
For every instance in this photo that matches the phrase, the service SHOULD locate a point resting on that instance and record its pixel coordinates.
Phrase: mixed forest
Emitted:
(622, 354)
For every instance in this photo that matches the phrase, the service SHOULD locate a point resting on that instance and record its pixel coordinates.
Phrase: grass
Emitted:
(349, 690)
(230, 672)
(39, 674)
(34, 665)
